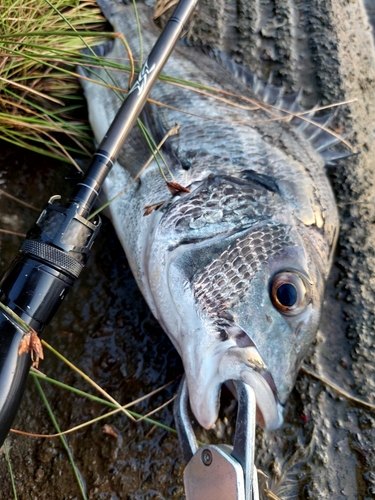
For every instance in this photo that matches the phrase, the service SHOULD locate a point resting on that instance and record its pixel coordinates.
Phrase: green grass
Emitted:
(39, 52)
(11, 475)
(64, 441)
(105, 402)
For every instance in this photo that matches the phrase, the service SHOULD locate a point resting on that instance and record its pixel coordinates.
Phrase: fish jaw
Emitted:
(210, 363)
(227, 364)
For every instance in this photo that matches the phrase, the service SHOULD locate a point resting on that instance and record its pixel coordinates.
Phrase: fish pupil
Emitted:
(287, 295)
(185, 164)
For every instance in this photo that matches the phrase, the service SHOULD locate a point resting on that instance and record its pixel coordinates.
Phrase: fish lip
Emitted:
(255, 372)
(244, 364)
(277, 419)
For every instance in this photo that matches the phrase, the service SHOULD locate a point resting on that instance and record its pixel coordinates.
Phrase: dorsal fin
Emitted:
(314, 128)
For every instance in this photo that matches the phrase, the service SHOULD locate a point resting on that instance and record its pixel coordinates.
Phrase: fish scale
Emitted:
(228, 278)
(233, 202)
(260, 209)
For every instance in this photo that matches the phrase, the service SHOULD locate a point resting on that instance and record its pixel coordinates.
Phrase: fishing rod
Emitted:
(56, 249)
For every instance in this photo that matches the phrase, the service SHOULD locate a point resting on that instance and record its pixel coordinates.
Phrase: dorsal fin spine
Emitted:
(269, 93)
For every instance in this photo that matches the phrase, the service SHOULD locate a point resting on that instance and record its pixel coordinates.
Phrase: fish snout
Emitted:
(235, 363)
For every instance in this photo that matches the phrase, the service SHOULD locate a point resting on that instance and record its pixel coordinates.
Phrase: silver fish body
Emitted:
(235, 269)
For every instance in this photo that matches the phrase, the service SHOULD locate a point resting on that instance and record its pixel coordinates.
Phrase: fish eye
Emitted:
(290, 293)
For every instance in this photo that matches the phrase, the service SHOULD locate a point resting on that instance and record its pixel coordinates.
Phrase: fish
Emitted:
(234, 265)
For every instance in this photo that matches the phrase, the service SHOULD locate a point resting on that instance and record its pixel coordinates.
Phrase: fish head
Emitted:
(248, 308)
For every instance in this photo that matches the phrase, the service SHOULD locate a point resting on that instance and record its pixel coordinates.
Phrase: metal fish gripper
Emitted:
(219, 472)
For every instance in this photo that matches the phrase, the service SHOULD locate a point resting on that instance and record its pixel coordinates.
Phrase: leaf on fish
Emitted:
(175, 187)
(150, 208)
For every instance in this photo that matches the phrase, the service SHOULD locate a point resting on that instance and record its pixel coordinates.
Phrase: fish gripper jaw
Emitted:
(220, 472)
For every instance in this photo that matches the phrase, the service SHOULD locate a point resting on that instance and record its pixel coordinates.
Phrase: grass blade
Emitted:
(7, 458)
(137, 416)
(64, 441)
(87, 378)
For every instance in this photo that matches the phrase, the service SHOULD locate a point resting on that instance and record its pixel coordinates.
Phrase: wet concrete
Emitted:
(326, 447)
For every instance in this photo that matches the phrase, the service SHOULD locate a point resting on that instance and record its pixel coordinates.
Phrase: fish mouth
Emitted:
(236, 363)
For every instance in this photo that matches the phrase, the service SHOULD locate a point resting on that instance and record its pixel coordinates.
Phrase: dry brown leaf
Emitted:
(175, 187)
(150, 208)
(109, 430)
(30, 342)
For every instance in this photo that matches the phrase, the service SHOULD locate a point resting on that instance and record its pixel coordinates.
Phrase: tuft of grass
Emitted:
(39, 91)
(41, 105)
